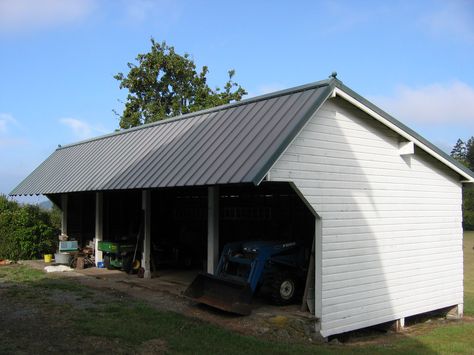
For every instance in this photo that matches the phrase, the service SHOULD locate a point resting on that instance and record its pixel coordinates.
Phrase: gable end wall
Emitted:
(391, 225)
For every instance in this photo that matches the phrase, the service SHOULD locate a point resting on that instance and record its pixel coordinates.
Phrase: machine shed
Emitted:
(317, 164)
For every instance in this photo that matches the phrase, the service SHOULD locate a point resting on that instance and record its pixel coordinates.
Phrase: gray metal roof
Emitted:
(235, 143)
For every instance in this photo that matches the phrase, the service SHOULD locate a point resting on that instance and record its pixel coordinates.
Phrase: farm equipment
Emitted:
(276, 268)
(117, 255)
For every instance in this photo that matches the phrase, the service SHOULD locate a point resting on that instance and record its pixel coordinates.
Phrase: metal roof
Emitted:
(235, 143)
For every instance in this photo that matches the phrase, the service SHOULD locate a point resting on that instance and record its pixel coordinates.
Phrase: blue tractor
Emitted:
(277, 269)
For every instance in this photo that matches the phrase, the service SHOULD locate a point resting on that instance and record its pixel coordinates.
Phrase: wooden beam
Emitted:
(456, 312)
(318, 271)
(64, 200)
(399, 325)
(99, 225)
(212, 228)
(309, 290)
(146, 207)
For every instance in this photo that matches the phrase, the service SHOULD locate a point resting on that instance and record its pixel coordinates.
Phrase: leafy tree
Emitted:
(27, 231)
(464, 153)
(164, 84)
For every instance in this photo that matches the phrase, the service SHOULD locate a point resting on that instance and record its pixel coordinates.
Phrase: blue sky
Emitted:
(57, 60)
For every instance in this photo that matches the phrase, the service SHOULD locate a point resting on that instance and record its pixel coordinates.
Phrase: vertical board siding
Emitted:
(391, 225)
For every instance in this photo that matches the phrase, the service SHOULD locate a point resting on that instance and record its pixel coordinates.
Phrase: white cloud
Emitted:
(455, 19)
(81, 129)
(7, 139)
(437, 103)
(24, 15)
(6, 120)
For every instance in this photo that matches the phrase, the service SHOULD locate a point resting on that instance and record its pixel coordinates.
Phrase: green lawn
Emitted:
(123, 325)
(469, 274)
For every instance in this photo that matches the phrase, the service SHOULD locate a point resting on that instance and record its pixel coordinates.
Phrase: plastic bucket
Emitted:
(48, 258)
(62, 258)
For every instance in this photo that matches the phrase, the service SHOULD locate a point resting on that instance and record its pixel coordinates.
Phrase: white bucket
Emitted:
(62, 258)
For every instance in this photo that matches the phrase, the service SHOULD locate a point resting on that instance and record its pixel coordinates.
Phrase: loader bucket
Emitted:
(227, 295)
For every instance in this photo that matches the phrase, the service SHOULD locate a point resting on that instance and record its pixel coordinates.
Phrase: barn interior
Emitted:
(272, 211)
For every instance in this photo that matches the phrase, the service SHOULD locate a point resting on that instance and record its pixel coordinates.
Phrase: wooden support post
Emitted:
(318, 271)
(146, 206)
(456, 312)
(399, 325)
(212, 228)
(99, 225)
(64, 199)
(309, 291)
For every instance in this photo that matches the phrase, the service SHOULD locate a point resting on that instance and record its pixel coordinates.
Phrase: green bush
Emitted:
(26, 231)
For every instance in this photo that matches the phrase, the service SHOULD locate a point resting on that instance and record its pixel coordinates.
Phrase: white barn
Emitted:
(386, 203)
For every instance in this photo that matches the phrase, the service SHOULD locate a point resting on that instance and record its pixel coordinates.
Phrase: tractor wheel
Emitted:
(284, 288)
(135, 266)
(127, 261)
(107, 262)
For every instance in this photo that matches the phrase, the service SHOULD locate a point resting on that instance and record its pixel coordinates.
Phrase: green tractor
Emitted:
(117, 255)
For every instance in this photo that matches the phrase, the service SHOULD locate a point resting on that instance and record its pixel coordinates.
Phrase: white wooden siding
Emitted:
(391, 225)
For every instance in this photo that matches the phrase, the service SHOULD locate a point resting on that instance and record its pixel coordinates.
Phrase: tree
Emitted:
(165, 84)
(464, 153)
(26, 231)
(459, 151)
(470, 153)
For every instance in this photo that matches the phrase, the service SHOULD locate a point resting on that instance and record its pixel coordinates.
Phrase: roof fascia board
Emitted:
(338, 91)
(264, 171)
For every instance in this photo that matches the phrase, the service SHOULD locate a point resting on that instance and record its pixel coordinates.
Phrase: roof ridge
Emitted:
(247, 101)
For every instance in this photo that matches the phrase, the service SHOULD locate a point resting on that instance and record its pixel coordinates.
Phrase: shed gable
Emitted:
(391, 241)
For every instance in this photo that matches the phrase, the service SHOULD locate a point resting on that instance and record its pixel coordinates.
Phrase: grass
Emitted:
(21, 275)
(129, 325)
(137, 323)
(469, 273)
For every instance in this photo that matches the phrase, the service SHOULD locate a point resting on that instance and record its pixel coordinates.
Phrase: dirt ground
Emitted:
(164, 292)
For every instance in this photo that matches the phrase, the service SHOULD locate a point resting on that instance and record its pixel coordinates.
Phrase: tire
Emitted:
(127, 261)
(135, 266)
(284, 288)
(107, 262)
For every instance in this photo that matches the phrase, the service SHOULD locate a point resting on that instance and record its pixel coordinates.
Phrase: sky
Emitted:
(414, 59)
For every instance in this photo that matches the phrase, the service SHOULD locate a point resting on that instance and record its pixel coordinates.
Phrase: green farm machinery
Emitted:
(117, 255)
